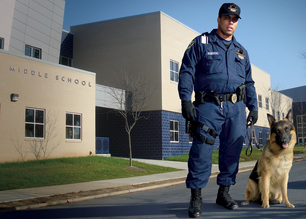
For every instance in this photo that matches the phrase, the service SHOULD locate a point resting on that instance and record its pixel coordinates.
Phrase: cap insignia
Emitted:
(233, 8)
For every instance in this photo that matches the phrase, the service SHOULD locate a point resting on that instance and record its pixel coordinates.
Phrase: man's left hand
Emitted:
(253, 116)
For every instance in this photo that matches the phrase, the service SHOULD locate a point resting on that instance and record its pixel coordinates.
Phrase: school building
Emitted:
(153, 44)
(53, 100)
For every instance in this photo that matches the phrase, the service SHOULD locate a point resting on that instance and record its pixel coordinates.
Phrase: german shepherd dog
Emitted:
(269, 178)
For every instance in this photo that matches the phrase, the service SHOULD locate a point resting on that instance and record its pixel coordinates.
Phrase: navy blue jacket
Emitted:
(207, 65)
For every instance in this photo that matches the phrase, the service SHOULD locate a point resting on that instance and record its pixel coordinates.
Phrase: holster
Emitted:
(191, 129)
(200, 97)
(241, 93)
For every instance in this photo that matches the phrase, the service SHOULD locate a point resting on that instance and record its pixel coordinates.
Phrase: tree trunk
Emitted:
(130, 147)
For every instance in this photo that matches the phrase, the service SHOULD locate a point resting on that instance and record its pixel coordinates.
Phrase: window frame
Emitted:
(176, 132)
(174, 71)
(69, 61)
(35, 123)
(260, 138)
(32, 51)
(301, 124)
(267, 103)
(1, 43)
(73, 127)
(259, 101)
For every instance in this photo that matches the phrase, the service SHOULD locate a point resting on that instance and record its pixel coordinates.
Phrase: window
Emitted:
(1, 43)
(73, 126)
(278, 115)
(174, 71)
(259, 101)
(65, 61)
(32, 52)
(267, 103)
(301, 129)
(174, 132)
(260, 138)
(34, 123)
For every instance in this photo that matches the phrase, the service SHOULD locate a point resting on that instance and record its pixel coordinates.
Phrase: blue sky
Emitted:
(273, 31)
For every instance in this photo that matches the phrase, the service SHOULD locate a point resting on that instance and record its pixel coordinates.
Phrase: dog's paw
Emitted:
(290, 205)
(245, 202)
(265, 205)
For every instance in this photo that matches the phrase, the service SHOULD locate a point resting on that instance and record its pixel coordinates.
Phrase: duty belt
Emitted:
(221, 97)
(202, 97)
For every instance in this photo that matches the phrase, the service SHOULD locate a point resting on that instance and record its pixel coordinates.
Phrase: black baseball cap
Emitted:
(229, 8)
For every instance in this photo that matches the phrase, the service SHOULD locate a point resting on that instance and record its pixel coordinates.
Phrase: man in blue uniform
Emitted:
(217, 68)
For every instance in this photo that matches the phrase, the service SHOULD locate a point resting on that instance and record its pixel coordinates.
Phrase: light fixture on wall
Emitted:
(14, 97)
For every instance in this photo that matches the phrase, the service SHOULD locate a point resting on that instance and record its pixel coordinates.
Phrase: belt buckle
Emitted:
(234, 98)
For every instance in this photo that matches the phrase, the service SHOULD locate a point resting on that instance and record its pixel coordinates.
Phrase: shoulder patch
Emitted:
(190, 44)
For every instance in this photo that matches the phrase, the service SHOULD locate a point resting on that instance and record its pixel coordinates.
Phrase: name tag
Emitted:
(212, 53)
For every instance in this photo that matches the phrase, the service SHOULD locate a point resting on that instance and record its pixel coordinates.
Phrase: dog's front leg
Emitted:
(264, 188)
(284, 192)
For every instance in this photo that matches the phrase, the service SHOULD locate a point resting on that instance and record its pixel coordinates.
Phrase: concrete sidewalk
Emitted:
(30, 193)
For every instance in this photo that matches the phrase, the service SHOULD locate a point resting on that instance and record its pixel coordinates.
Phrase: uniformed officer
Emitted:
(217, 68)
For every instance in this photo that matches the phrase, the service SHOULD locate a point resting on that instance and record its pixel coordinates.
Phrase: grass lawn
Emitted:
(243, 157)
(61, 171)
(38, 173)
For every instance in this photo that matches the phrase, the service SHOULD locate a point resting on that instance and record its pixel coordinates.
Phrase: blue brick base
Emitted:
(174, 148)
(150, 136)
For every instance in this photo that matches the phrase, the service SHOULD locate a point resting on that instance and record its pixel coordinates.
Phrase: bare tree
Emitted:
(278, 101)
(131, 100)
(19, 147)
(42, 148)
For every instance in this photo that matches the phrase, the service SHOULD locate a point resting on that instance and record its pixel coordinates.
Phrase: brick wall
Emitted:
(150, 136)
(146, 135)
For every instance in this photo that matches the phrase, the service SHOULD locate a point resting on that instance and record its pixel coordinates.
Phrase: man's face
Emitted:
(227, 26)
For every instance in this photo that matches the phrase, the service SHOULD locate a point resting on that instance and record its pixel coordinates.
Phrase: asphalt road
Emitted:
(172, 202)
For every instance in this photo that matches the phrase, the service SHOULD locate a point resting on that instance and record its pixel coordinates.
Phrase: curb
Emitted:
(122, 192)
(145, 188)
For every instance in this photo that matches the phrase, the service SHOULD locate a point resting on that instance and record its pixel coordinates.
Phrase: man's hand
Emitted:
(253, 116)
(188, 110)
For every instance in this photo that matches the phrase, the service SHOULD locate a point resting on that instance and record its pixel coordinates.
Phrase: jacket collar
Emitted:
(214, 38)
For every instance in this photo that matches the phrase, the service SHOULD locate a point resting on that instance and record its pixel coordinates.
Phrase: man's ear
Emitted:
(218, 20)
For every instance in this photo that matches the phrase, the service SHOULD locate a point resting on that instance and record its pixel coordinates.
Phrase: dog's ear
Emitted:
(271, 119)
(289, 116)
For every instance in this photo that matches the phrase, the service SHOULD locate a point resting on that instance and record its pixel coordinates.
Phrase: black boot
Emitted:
(195, 203)
(224, 199)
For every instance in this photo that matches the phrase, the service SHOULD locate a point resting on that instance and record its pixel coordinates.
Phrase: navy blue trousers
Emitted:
(229, 121)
